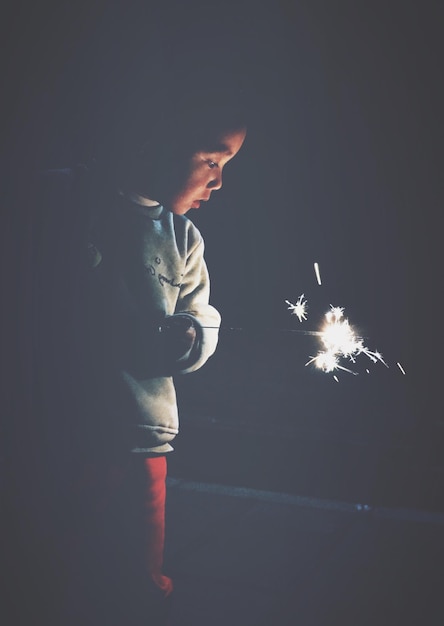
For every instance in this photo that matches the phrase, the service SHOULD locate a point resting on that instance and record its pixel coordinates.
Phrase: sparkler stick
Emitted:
(316, 333)
(339, 340)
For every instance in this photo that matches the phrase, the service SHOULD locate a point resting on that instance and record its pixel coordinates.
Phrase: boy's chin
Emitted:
(180, 210)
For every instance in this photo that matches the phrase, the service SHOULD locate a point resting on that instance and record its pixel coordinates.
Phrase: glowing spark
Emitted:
(401, 368)
(340, 341)
(374, 356)
(328, 362)
(299, 308)
(336, 378)
(318, 275)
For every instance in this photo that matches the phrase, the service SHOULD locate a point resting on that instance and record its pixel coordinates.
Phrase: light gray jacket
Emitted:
(105, 288)
(163, 273)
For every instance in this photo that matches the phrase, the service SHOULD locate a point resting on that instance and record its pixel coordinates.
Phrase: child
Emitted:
(121, 305)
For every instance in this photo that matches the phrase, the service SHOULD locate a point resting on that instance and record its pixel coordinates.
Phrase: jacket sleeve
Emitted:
(193, 301)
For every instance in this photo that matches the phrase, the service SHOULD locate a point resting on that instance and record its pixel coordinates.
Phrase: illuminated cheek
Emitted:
(195, 182)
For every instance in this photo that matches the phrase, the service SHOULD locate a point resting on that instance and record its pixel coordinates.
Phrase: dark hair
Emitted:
(195, 122)
(178, 119)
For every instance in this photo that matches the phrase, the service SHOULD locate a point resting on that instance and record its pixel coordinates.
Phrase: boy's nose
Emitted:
(216, 181)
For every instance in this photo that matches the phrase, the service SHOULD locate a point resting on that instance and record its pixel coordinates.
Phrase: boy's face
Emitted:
(203, 174)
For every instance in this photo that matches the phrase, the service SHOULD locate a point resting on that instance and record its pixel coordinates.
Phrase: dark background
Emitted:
(342, 165)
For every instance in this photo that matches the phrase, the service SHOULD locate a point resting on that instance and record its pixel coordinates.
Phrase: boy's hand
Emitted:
(179, 335)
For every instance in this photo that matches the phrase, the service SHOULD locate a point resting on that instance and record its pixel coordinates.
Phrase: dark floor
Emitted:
(254, 416)
(245, 557)
(292, 501)
(253, 556)
(334, 513)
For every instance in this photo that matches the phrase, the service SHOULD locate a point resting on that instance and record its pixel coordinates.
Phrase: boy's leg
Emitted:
(151, 589)
(118, 541)
(155, 472)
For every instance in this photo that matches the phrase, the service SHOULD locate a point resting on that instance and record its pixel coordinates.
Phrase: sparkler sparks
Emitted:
(299, 309)
(401, 368)
(339, 342)
(318, 275)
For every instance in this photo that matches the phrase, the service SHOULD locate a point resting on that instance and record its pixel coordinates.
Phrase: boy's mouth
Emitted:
(196, 203)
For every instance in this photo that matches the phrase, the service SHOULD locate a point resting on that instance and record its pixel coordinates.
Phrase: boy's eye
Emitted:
(211, 164)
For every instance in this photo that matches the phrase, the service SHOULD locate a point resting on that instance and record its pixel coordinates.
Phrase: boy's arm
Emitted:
(195, 323)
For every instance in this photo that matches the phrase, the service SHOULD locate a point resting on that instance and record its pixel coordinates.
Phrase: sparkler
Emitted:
(340, 341)
(338, 338)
